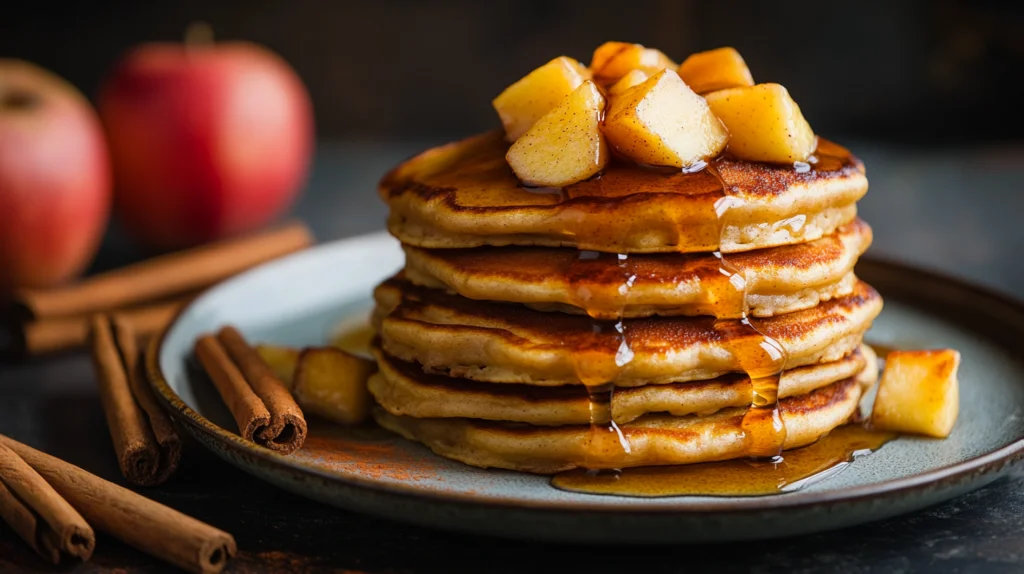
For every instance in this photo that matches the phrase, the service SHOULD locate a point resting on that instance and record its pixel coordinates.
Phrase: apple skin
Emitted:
(55, 178)
(207, 141)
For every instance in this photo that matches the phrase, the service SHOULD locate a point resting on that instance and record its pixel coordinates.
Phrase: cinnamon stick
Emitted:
(264, 410)
(38, 514)
(63, 333)
(250, 413)
(167, 439)
(139, 522)
(145, 458)
(165, 276)
(287, 429)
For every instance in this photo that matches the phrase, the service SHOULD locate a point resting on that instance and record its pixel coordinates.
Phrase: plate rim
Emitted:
(988, 463)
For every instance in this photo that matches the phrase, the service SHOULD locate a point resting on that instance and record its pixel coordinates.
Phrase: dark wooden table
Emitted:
(958, 211)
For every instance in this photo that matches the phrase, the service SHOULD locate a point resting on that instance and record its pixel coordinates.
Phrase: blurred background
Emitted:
(926, 92)
(913, 71)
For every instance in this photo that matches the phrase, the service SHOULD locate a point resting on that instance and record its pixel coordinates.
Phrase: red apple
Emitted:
(55, 181)
(207, 141)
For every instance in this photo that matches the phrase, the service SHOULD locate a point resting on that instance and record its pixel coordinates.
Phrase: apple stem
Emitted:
(198, 34)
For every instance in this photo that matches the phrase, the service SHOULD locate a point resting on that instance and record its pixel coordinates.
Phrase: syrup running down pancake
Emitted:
(779, 280)
(653, 439)
(403, 389)
(497, 342)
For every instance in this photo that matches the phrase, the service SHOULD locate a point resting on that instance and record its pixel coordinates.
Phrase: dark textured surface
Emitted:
(957, 212)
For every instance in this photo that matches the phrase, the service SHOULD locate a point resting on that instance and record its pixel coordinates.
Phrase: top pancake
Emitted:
(464, 194)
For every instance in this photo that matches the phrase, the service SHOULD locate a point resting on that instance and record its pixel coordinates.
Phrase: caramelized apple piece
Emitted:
(612, 60)
(662, 122)
(332, 383)
(764, 122)
(566, 145)
(282, 361)
(632, 78)
(539, 92)
(605, 52)
(715, 70)
(918, 393)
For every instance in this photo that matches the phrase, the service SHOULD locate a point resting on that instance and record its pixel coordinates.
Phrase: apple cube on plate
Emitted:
(537, 93)
(662, 122)
(764, 122)
(919, 393)
(632, 78)
(332, 384)
(281, 360)
(566, 145)
(612, 60)
(715, 70)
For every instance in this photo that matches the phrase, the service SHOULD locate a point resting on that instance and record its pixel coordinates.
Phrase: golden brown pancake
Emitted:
(403, 389)
(464, 194)
(507, 343)
(779, 280)
(653, 439)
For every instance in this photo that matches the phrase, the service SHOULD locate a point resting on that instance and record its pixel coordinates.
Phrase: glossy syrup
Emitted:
(801, 467)
(762, 357)
(759, 355)
(599, 362)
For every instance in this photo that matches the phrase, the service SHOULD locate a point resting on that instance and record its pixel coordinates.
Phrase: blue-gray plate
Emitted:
(301, 299)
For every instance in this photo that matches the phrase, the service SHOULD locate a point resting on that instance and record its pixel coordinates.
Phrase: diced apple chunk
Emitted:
(612, 60)
(764, 122)
(566, 145)
(662, 122)
(633, 78)
(715, 70)
(281, 360)
(605, 52)
(332, 384)
(919, 393)
(537, 93)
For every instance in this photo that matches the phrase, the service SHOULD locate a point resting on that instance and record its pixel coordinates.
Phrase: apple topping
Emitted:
(764, 123)
(663, 122)
(918, 393)
(281, 360)
(715, 70)
(613, 60)
(565, 146)
(537, 93)
(332, 384)
(632, 78)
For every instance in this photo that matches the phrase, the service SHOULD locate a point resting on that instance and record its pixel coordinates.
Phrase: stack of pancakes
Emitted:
(525, 319)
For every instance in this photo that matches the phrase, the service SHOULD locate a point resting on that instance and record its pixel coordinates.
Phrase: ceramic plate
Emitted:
(301, 300)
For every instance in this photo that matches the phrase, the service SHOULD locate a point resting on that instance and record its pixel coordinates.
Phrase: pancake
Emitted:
(653, 439)
(779, 280)
(506, 343)
(403, 389)
(464, 194)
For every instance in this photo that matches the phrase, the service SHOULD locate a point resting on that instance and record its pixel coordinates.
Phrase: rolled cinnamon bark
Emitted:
(287, 429)
(164, 432)
(135, 520)
(63, 333)
(147, 446)
(165, 276)
(39, 514)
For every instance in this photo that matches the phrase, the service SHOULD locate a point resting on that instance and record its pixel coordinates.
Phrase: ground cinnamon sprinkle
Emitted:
(374, 455)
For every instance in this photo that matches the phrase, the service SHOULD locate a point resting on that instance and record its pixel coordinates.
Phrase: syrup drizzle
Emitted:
(802, 467)
(600, 363)
(759, 355)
